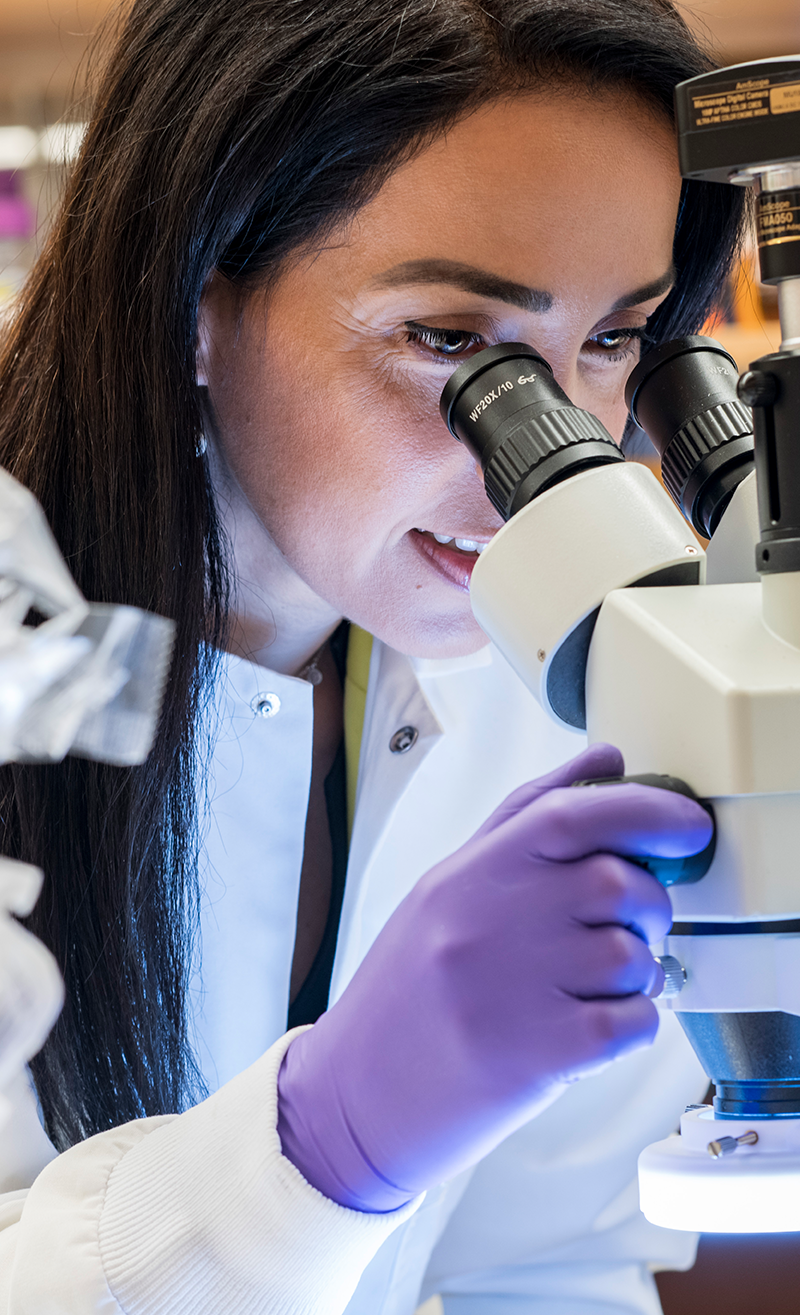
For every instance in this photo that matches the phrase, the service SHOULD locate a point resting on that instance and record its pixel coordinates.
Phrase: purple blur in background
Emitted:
(17, 219)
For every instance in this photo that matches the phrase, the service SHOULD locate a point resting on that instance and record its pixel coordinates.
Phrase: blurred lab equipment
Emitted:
(75, 677)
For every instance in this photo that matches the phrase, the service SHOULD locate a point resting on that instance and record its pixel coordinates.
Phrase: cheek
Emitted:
(348, 461)
(604, 396)
(373, 434)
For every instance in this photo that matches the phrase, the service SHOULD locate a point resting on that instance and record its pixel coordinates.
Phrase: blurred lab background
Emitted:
(43, 106)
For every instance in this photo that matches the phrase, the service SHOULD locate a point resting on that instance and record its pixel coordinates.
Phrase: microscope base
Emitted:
(756, 1189)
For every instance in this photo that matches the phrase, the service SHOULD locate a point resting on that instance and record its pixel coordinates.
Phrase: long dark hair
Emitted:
(224, 134)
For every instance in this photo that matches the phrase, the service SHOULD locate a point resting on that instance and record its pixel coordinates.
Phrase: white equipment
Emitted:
(87, 680)
(607, 608)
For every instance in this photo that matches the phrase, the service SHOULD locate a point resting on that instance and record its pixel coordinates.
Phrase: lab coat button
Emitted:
(404, 739)
(266, 705)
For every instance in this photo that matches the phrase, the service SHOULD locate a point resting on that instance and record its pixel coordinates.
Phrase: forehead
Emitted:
(569, 186)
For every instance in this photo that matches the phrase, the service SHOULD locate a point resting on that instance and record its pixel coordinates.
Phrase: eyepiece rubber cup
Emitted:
(506, 407)
(683, 394)
(472, 369)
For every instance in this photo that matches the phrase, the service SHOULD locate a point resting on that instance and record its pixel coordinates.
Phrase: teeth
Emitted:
(465, 545)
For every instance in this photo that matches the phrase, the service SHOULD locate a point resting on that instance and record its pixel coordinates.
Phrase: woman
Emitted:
(285, 227)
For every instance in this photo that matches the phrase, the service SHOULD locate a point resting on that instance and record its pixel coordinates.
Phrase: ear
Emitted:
(216, 320)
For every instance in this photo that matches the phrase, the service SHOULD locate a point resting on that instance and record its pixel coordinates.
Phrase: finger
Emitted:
(609, 1029)
(658, 984)
(598, 761)
(605, 962)
(604, 889)
(634, 820)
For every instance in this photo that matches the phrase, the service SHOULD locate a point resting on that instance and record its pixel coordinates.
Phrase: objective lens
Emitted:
(683, 395)
(506, 407)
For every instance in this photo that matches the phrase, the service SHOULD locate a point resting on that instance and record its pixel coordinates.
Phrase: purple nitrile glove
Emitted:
(515, 965)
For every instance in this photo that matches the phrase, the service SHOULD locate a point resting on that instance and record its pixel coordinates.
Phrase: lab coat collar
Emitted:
(395, 700)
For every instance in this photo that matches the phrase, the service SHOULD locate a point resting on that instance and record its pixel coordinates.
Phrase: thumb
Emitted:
(596, 762)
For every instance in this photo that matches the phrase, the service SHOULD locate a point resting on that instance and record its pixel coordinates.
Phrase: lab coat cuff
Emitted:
(192, 1214)
(207, 1214)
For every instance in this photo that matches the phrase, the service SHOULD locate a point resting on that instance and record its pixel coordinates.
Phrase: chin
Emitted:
(442, 638)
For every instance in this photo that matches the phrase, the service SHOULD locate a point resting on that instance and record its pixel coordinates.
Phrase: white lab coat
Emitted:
(198, 1213)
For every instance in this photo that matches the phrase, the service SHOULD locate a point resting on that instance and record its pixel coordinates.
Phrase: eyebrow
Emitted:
(468, 279)
(483, 284)
(648, 292)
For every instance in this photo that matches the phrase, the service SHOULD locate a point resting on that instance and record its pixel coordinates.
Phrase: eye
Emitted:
(443, 342)
(618, 344)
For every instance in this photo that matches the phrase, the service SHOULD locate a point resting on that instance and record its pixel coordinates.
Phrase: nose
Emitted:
(470, 489)
(606, 403)
(567, 376)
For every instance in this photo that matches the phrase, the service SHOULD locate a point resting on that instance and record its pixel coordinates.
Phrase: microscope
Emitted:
(689, 661)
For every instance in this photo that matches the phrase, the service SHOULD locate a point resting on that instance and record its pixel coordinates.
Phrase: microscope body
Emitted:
(695, 684)
(606, 606)
(708, 689)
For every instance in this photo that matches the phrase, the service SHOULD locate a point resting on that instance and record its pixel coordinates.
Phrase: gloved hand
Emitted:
(516, 965)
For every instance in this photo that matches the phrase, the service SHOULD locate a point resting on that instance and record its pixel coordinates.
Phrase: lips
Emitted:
(455, 563)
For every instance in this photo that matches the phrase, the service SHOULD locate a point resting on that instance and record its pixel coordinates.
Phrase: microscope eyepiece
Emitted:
(506, 407)
(683, 395)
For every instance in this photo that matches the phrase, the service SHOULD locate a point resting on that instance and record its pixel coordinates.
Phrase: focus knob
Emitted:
(674, 976)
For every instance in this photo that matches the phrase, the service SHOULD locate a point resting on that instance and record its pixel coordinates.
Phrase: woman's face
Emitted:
(547, 220)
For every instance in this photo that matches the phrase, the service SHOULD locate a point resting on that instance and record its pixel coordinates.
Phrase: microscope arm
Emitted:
(731, 553)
